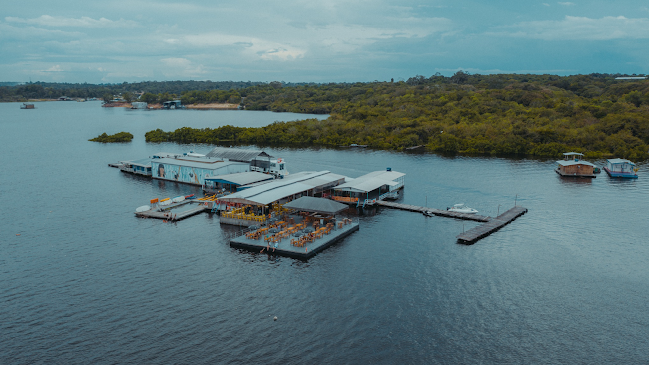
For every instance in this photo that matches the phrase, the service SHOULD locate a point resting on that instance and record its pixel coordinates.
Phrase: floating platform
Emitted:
(284, 247)
(437, 212)
(167, 214)
(494, 224)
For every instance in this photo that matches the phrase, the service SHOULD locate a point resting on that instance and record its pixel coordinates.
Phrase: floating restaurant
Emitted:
(193, 170)
(572, 165)
(370, 188)
(313, 228)
(257, 200)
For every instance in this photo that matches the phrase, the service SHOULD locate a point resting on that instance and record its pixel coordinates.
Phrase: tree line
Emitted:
(538, 115)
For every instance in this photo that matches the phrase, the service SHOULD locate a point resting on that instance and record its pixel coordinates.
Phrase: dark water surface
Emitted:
(87, 282)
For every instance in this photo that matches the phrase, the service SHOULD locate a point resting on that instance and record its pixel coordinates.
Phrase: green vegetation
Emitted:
(539, 115)
(117, 137)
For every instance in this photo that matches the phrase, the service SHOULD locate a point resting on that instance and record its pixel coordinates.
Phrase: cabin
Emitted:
(370, 188)
(258, 160)
(618, 167)
(27, 106)
(138, 167)
(139, 105)
(572, 165)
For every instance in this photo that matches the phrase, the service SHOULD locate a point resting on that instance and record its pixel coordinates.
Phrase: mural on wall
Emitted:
(192, 175)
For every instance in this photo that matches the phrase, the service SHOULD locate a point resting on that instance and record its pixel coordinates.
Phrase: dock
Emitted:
(494, 224)
(284, 247)
(165, 213)
(437, 212)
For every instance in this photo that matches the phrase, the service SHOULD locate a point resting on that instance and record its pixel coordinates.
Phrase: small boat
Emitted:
(178, 199)
(461, 208)
(618, 167)
(428, 213)
(27, 106)
(143, 208)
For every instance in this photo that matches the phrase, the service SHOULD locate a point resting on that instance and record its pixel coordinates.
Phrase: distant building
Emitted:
(172, 104)
(631, 78)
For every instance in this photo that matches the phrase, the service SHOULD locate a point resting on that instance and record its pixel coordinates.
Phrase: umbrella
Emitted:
(273, 230)
(253, 227)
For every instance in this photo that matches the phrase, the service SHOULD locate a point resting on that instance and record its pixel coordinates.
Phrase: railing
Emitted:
(390, 194)
(345, 199)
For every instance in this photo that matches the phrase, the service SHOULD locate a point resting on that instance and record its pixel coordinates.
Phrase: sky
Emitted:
(317, 41)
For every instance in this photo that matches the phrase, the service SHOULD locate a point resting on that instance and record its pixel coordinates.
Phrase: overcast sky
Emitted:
(318, 41)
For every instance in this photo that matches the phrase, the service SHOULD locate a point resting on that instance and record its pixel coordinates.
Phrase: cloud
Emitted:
(546, 4)
(181, 67)
(566, 3)
(55, 68)
(83, 22)
(580, 28)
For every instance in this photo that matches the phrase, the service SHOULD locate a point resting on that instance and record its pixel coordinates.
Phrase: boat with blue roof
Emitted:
(619, 167)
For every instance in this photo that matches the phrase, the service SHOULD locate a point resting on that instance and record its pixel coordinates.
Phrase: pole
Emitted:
(426, 201)
(515, 199)
(498, 211)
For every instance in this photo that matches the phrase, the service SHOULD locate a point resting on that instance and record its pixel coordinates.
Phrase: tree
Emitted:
(460, 77)
(107, 97)
(128, 96)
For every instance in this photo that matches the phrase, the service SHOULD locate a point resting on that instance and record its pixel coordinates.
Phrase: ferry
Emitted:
(573, 165)
(618, 167)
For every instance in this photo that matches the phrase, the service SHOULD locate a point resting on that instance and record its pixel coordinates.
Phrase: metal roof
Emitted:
(318, 205)
(573, 153)
(570, 163)
(237, 154)
(371, 181)
(620, 160)
(145, 162)
(279, 189)
(202, 163)
(241, 178)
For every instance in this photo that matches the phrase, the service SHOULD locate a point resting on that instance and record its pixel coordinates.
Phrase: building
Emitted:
(258, 160)
(193, 170)
(572, 165)
(172, 104)
(369, 188)
(231, 183)
(138, 167)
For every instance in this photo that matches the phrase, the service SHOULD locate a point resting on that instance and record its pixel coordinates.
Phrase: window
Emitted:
(281, 166)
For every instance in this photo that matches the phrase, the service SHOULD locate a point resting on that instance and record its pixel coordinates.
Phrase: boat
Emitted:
(461, 208)
(143, 208)
(428, 213)
(573, 165)
(618, 167)
(27, 106)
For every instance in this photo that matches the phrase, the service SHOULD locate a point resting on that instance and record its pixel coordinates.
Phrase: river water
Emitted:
(87, 282)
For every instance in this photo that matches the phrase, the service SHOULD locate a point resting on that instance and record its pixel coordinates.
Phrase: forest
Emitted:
(113, 138)
(507, 114)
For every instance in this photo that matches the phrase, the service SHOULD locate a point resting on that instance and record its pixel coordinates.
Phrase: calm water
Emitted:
(87, 282)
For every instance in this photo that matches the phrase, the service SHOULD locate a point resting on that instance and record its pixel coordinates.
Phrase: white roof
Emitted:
(371, 181)
(573, 153)
(279, 189)
(620, 160)
(570, 163)
(241, 178)
(203, 163)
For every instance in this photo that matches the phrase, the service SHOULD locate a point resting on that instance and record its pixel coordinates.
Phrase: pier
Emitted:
(437, 212)
(494, 224)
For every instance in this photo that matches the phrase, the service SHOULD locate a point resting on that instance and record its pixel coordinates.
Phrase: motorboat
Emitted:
(428, 213)
(461, 208)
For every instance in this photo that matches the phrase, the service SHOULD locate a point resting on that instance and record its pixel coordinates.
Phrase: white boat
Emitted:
(143, 208)
(461, 208)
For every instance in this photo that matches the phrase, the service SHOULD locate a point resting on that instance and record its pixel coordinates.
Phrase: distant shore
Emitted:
(212, 106)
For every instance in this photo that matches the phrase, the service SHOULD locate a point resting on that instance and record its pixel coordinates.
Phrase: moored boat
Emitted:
(618, 167)
(461, 208)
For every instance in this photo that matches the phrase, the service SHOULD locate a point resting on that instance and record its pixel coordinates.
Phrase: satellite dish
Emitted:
(143, 208)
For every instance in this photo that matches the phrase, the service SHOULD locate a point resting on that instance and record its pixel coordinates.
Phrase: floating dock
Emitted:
(438, 212)
(167, 214)
(284, 247)
(494, 224)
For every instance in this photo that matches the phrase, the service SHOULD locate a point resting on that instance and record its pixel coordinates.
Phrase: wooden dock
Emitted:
(481, 231)
(167, 214)
(437, 212)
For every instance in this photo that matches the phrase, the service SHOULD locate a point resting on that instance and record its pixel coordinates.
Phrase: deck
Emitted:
(284, 247)
(168, 214)
(483, 230)
(437, 212)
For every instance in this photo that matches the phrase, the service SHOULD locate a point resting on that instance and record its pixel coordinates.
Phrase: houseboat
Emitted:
(27, 106)
(572, 165)
(618, 167)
